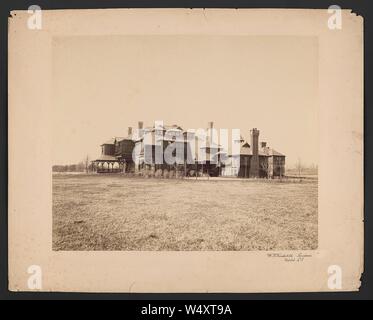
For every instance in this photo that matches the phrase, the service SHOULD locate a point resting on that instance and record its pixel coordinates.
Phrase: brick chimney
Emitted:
(139, 132)
(210, 135)
(129, 131)
(254, 165)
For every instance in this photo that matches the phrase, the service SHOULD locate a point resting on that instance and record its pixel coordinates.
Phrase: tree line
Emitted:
(83, 166)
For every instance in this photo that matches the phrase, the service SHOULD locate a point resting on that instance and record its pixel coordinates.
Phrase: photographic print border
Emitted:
(366, 288)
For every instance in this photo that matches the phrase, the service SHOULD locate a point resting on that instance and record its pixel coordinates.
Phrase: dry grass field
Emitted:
(112, 212)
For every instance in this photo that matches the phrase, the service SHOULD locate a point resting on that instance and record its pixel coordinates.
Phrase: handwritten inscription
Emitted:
(290, 257)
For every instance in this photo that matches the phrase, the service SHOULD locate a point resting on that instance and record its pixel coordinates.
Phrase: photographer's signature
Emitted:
(290, 257)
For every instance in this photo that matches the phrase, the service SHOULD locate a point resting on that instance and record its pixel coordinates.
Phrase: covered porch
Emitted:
(108, 164)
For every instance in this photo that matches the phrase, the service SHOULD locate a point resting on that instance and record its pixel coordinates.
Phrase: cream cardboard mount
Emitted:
(35, 80)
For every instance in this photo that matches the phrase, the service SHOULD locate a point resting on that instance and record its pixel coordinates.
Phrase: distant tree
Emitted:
(265, 167)
(59, 168)
(313, 168)
(299, 167)
(86, 163)
(80, 167)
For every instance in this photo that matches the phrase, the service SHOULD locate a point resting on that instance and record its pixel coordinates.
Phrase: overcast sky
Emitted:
(103, 84)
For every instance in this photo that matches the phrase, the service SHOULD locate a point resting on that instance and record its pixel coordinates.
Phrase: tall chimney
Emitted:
(254, 166)
(129, 131)
(210, 133)
(139, 132)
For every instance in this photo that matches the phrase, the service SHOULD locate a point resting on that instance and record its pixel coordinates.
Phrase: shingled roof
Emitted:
(112, 140)
(104, 157)
(246, 150)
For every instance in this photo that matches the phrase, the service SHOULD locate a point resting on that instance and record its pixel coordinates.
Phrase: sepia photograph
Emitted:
(185, 143)
(191, 151)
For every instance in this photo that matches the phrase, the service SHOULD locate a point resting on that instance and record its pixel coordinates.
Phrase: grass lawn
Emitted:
(113, 212)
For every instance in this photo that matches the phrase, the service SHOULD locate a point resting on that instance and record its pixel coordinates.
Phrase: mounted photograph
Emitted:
(185, 143)
(186, 150)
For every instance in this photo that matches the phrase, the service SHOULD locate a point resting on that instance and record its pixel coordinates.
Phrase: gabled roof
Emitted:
(164, 127)
(149, 129)
(129, 137)
(173, 127)
(104, 157)
(246, 150)
(112, 140)
(154, 128)
(276, 153)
